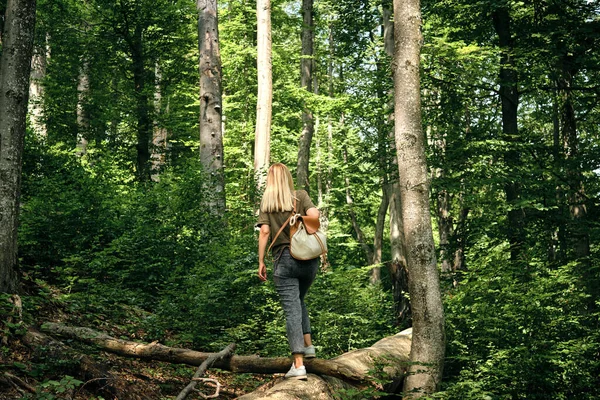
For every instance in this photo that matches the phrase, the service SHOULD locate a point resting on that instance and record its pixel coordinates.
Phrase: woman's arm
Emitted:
(313, 212)
(263, 238)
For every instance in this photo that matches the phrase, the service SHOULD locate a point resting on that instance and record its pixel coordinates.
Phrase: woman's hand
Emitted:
(262, 271)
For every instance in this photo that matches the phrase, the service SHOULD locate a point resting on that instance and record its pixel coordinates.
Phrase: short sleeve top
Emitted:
(276, 219)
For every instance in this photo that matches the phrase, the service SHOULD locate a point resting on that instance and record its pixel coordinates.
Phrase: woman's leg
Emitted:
(309, 269)
(288, 287)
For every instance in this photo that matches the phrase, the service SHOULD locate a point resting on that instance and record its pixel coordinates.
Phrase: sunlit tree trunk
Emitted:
(306, 82)
(159, 132)
(39, 62)
(397, 265)
(509, 96)
(83, 121)
(211, 134)
(262, 138)
(15, 65)
(428, 348)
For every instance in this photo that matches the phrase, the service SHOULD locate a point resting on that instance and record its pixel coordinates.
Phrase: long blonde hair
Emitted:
(279, 192)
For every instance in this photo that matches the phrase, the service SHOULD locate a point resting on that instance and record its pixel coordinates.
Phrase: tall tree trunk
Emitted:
(262, 137)
(159, 131)
(15, 65)
(39, 63)
(397, 266)
(211, 134)
(83, 121)
(427, 352)
(306, 82)
(509, 97)
(576, 197)
(144, 126)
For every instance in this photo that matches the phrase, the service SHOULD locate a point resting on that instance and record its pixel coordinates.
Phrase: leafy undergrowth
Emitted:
(25, 369)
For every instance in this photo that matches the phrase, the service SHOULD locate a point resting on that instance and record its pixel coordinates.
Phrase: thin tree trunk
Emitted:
(36, 89)
(211, 134)
(306, 82)
(509, 97)
(576, 198)
(159, 133)
(375, 277)
(83, 121)
(144, 127)
(427, 352)
(262, 138)
(15, 65)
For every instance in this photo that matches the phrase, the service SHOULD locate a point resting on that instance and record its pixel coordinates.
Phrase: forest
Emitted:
(452, 148)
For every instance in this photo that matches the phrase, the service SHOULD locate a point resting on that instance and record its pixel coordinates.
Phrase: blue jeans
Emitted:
(292, 279)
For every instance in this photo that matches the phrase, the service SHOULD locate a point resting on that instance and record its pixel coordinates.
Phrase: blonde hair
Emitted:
(279, 192)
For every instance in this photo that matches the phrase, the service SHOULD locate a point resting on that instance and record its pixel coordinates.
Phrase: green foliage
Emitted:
(53, 390)
(521, 334)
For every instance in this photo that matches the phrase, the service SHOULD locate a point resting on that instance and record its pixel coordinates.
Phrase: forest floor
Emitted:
(39, 373)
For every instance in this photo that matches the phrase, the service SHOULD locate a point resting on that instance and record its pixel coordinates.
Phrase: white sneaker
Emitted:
(309, 352)
(296, 373)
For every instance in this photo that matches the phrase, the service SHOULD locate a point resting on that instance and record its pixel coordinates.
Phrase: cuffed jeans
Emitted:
(292, 279)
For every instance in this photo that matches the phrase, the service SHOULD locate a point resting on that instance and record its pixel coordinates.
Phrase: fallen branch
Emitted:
(17, 383)
(225, 353)
(242, 364)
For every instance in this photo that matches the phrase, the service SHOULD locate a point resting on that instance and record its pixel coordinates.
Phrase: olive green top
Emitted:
(276, 219)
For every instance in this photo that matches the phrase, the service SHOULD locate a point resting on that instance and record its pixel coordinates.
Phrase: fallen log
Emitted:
(349, 371)
(391, 354)
(91, 372)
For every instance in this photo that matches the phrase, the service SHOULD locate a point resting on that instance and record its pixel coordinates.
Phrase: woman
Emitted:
(292, 277)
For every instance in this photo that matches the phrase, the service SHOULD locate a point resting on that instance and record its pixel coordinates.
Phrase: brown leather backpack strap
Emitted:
(287, 221)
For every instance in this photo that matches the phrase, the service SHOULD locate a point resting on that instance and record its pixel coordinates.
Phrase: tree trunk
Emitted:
(211, 134)
(159, 132)
(306, 82)
(15, 65)
(568, 128)
(375, 277)
(427, 353)
(36, 89)
(262, 138)
(509, 97)
(397, 265)
(144, 127)
(83, 121)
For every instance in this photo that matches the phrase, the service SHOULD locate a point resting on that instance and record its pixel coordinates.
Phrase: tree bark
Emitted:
(427, 353)
(211, 134)
(262, 137)
(306, 82)
(15, 65)
(509, 96)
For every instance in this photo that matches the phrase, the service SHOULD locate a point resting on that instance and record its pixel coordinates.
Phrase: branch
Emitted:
(225, 353)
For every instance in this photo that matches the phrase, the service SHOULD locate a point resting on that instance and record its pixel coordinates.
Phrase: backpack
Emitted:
(306, 240)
